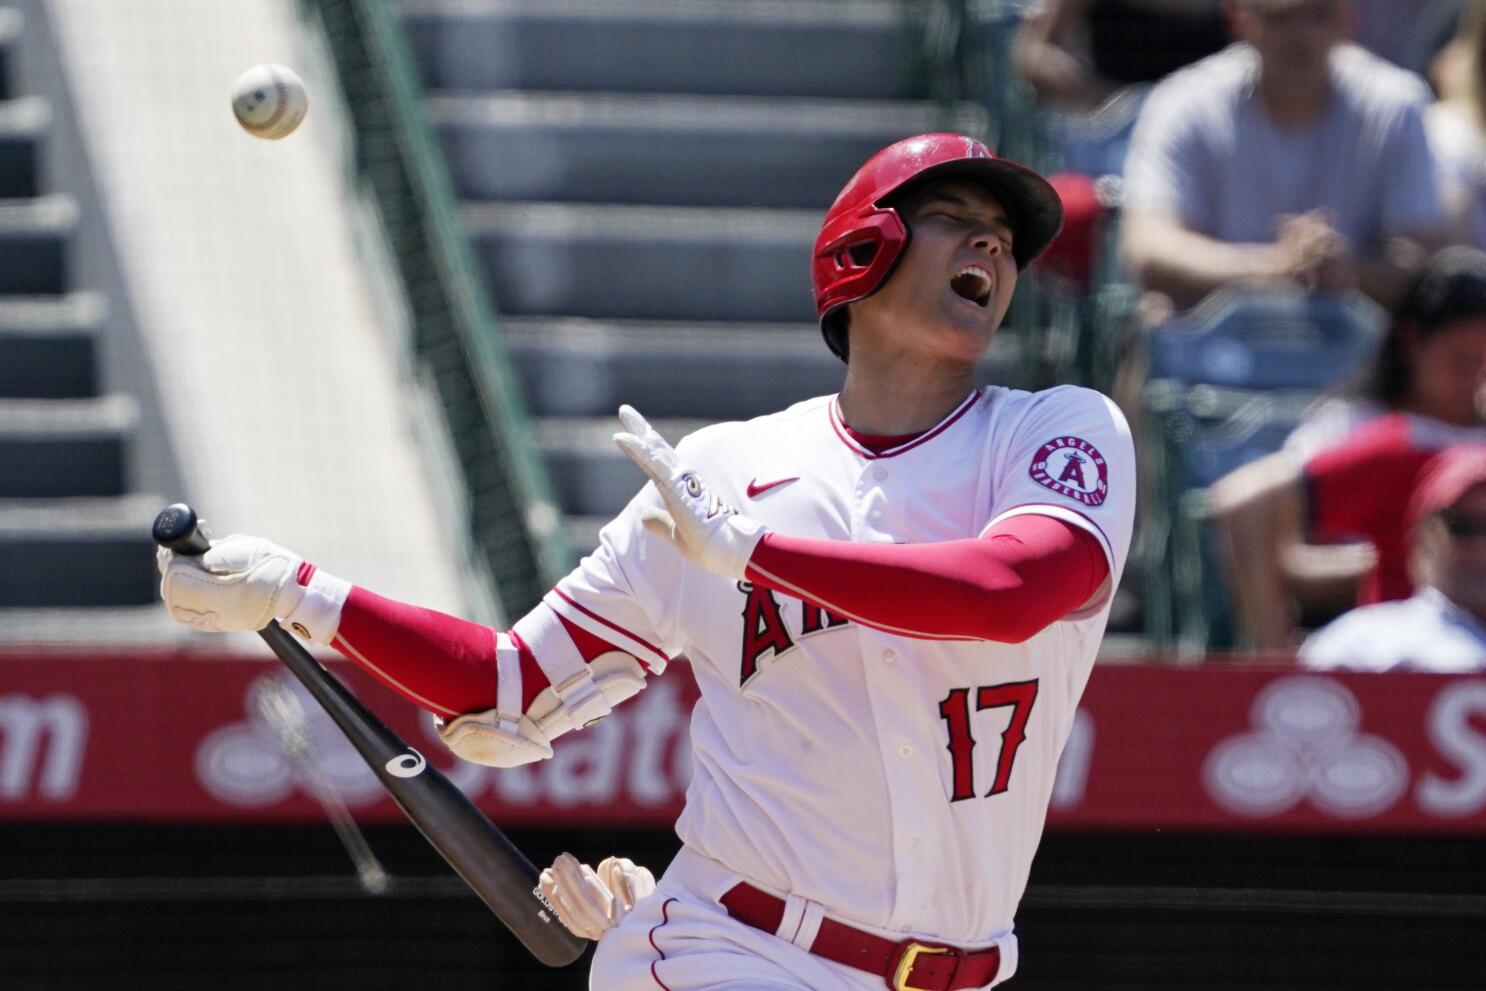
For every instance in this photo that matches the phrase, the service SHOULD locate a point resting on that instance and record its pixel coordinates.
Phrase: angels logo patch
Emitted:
(1072, 467)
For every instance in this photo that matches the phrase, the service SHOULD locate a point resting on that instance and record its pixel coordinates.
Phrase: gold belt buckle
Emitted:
(906, 961)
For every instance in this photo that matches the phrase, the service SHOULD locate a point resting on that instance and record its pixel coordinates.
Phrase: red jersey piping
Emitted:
(892, 452)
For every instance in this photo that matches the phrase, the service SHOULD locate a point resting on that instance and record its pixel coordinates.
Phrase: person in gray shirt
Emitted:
(1290, 155)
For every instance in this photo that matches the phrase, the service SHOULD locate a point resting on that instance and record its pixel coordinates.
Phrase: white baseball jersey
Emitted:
(902, 783)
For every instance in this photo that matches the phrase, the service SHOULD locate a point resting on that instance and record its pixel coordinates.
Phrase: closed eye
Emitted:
(1002, 233)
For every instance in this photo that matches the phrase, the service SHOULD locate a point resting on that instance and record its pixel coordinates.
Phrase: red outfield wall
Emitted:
(178, 738)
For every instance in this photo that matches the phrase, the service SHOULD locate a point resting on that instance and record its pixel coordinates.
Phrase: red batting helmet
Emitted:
(863, 237)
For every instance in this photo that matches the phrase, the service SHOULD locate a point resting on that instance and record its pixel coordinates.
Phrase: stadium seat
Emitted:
(1227, 382)
(1268, 339)
(661, 149)
(843, 50)
(645, 223)
(68, 431)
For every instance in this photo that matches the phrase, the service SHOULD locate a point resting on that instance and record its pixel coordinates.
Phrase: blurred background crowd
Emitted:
(1260, 195)
(1295, 299)
(395, 340)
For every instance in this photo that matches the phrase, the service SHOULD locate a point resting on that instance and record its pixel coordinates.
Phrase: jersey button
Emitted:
(889, 656)
(905, 751)
(913, 842)
(879, 473)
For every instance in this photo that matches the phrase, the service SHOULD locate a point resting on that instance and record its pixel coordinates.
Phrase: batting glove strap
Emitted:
(317, 614)
(508, 681)
(503, 737)
(703, 527)
(589, 695)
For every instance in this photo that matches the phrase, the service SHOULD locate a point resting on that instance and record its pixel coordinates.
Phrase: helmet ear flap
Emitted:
(833, 327)
(853, 252)
(853, 257)
(857, 255)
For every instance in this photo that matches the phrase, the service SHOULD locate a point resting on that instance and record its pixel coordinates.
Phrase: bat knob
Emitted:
(177, 528)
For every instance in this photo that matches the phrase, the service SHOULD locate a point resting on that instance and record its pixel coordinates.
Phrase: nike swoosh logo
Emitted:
(755, 489)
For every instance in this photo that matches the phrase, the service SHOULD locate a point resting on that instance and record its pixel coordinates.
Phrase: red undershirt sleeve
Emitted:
(1024, 574)
(440, 662)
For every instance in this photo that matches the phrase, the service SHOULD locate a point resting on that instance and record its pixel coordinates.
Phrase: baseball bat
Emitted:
(479, 852)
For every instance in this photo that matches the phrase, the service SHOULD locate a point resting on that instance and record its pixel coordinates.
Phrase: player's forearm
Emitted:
(1256, 516)
(1261, 601)
(1186, 266)
(498, 704)
(445, 664)
(1028, 573)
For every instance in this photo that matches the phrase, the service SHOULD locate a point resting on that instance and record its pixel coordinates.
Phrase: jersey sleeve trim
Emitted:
(1105, 591)
(654, 658)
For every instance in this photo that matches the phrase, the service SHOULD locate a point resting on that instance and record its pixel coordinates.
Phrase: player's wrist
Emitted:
(311, 602)
(734, 543)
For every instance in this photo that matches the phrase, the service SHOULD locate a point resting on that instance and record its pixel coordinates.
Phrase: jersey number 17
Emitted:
(955, 709)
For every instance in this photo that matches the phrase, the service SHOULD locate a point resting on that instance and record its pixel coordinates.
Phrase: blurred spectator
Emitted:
(1442, 626)
(1428, 364)
(1428, 388)
(1408, 33)
(1078, 53)
(1457, 129)
(1290, 155)
(1092, 62)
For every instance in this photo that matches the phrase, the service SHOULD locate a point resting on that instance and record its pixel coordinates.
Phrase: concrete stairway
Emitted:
(643, 182)
(76, 562)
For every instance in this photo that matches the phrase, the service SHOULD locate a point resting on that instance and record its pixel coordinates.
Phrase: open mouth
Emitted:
(973, 283)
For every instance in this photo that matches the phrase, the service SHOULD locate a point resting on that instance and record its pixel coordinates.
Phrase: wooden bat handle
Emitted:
(479, 852)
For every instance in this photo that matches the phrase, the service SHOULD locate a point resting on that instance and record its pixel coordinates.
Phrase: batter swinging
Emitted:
(891, 599)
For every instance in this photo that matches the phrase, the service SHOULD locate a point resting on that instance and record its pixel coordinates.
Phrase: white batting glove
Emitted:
(590, 902)
(242, 583)
(704, 528)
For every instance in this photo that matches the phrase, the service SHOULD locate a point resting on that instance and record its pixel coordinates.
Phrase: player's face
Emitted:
(1448, 370)
(953, 285)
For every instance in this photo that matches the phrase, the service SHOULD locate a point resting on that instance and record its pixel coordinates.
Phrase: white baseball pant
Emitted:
(681, 939)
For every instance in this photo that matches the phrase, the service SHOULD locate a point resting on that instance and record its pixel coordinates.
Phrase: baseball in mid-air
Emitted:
(269, 101)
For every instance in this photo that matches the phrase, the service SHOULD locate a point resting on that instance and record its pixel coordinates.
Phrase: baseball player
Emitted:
(891, 599)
